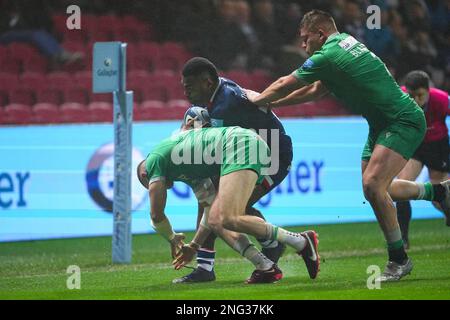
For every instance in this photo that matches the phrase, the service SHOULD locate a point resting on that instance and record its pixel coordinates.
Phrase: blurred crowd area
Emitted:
(247, 34)
(263, 34)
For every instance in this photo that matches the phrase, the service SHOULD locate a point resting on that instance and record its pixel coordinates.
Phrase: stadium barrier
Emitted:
(57, 181)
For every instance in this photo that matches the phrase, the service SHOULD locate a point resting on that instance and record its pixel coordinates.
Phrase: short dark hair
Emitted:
(314, 19)
(198, 65)
(417, 79)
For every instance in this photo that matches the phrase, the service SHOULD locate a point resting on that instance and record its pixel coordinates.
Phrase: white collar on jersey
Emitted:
(215, 91)
(331, 36)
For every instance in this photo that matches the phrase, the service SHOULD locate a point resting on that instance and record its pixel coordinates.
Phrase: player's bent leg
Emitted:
(266, 271)
(227, 212)
(440, 178)
(410, 172)
(381, 169)
(269, 247)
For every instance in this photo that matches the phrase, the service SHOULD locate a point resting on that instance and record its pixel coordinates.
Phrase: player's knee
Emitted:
(215, 223)
(230, 223)
(371, 187)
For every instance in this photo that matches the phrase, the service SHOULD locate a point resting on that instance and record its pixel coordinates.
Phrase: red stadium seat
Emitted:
(3, 98)
(154, 91)
(90, 22)
(18, 114)
(138, 79)
(261, 79)
(75, 35)
(73, 112)
(59, 23)
(35, 64)
(78, 95)
(2, 116)
(46, 113)
(139, 63)
(100, 97)
(59, 80)
(33, 80)
(4, 53)
(83, 79)
(99, 35)
(11, 65)
(21, 96)
(150, 110)
(177, 108)
(8, 81)
(100, 112)
(242, 78)
(22, 51)
(48, 95)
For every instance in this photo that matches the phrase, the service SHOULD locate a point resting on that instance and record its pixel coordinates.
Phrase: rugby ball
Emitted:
(200, 115)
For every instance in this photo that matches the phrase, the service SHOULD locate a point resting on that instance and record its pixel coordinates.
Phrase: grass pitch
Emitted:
(37, 269)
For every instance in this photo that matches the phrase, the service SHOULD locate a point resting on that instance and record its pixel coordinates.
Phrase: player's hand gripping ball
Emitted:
(196, 117)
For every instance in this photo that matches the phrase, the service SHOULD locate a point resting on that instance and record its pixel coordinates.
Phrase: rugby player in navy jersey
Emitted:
(228, 105)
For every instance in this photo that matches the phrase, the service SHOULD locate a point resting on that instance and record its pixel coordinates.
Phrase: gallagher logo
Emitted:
(100, 178)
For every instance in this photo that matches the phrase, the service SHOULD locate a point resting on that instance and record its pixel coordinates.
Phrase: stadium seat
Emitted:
(99, 35)
(100, 97)
(175, 92)
(78, 95)
(22, 51)
(74, 112)
(59, 80)
(11, 65)
(83, 79)
(48, 95)
(8, 81)
(100, 112)
(21, 96)
(33, 80)
(2, 116)
(139, 63)
(36, 63)
(3, 51)
(150, 110)
(3, 98)
(16, 113)
(138, 79)
(175, 109)
(46, 113)
(90, 22)
(240, 77)
(261, 79)
(59, 23)
(75, 35)
(154, 91)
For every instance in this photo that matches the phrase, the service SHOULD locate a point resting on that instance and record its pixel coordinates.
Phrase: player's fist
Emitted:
(186, 254)
(176, 243)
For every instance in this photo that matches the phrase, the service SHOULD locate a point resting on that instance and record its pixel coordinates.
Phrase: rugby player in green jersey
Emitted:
(344, 67)
(240, 157)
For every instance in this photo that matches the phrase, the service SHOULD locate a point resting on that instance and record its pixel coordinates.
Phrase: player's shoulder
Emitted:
(230, 95)
(441, 94)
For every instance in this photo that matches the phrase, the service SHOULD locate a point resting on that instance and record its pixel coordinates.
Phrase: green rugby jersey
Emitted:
(194, 155)
(356, 76)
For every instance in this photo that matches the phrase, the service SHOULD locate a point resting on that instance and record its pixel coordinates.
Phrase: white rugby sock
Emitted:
(295, 240)
(251, 253)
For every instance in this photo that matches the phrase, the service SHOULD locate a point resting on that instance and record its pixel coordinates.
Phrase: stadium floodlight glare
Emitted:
(109, 75)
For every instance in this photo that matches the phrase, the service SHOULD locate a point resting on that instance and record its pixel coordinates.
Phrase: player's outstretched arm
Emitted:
(278, 90)
(160, 222)
(311, 92)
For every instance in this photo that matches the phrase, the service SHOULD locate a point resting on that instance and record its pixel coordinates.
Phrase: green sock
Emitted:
(426, 191)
